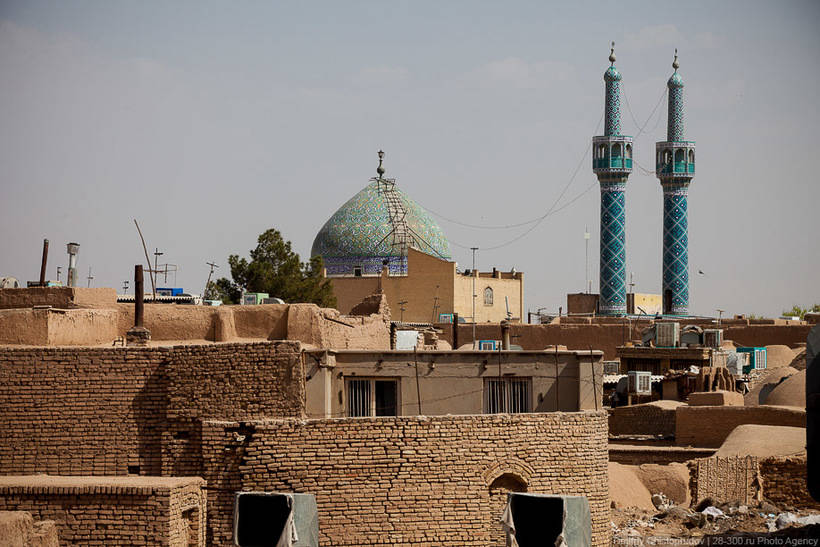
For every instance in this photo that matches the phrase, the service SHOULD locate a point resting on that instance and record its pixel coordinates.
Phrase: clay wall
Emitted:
(708, 426)
(103, 411)
(643, 419)
(112, 510)
(326, 328)
(58, 297)
(18, 529)
(660, 455)
(410, 480)
(24, 327)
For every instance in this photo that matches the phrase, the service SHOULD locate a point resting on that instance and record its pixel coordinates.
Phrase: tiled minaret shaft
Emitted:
(612, 162)
(675, 167)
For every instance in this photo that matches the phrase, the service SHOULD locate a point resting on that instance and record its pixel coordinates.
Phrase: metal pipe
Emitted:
(139, 294)
(505, 335)
(43, 264)
(73, 249)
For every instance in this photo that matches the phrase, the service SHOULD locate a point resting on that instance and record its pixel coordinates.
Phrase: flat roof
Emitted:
(94, 484)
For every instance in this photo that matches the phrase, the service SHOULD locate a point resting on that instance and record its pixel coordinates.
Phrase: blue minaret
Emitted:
(675, 167)
(612, 162)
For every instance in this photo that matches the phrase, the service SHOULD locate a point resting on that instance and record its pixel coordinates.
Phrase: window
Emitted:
(680, 156)
(488, 296)
(507, 395)
(372, 397)
(357, 271)
(691, 156)
(629, 151)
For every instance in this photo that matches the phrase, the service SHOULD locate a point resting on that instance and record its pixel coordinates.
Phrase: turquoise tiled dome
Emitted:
(359, 234)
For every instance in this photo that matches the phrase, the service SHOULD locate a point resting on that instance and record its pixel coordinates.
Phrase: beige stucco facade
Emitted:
(455, 382)
(432, 287)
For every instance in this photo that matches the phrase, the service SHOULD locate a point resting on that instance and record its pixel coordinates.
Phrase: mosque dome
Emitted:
(360, 237)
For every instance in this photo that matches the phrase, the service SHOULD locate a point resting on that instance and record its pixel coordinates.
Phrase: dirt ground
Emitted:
(754, 524)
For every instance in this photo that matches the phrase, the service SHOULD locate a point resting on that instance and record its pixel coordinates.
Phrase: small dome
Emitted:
(359, 233)
(612, 75)
(675, 81)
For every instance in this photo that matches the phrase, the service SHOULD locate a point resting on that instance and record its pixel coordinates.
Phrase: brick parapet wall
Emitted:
(708, 426)
(784, 482)
(643, 419)
(99, 411)
(111, 512)
(410, 480)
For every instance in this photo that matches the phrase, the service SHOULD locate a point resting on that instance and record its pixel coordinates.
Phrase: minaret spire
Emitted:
(675, 167)
(612, 162)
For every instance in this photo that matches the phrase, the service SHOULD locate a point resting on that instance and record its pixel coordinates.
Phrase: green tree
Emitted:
(797, 311)
(275, 269)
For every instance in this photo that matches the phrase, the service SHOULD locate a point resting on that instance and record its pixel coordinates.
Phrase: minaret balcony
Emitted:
(675, 159)
(612, 153)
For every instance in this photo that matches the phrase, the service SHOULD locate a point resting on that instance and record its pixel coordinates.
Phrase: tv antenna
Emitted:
(208, 283)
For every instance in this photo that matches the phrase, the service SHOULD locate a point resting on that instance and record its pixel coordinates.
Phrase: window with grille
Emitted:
(372, 397)
(507, 395)
(488, 296)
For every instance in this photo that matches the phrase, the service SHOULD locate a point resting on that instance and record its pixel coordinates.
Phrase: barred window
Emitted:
(488, 296)
(372, 397)
(507, 395)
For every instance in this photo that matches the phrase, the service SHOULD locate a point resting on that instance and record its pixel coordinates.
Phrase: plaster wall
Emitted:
(454, 382)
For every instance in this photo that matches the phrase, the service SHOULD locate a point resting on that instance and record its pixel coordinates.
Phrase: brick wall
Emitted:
(781, 480)
(723, 479)
(409, 480)
(708, 426)
(112, 510)
(784, 482)
(99, 411)
(643, 419)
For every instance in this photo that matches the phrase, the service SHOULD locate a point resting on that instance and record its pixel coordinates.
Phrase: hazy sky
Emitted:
(213, 121)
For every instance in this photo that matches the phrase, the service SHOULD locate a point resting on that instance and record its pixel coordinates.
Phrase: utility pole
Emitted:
(473, 272)
(207, 283)
(402, 308)
(90, 277)
(125, 287)
(157, 254)
(435, 305)
(587, 280)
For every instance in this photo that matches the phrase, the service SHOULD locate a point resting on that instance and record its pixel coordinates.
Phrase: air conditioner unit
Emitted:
(667, 334)
(612, 367)
(640, 382)
(712, 338)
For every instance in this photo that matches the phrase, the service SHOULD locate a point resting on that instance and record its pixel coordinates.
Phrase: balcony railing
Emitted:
(682, 167)
(612, 163)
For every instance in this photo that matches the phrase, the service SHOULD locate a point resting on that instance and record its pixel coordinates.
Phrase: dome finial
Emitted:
(675, 63)
(380, 168)
(612, 54)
